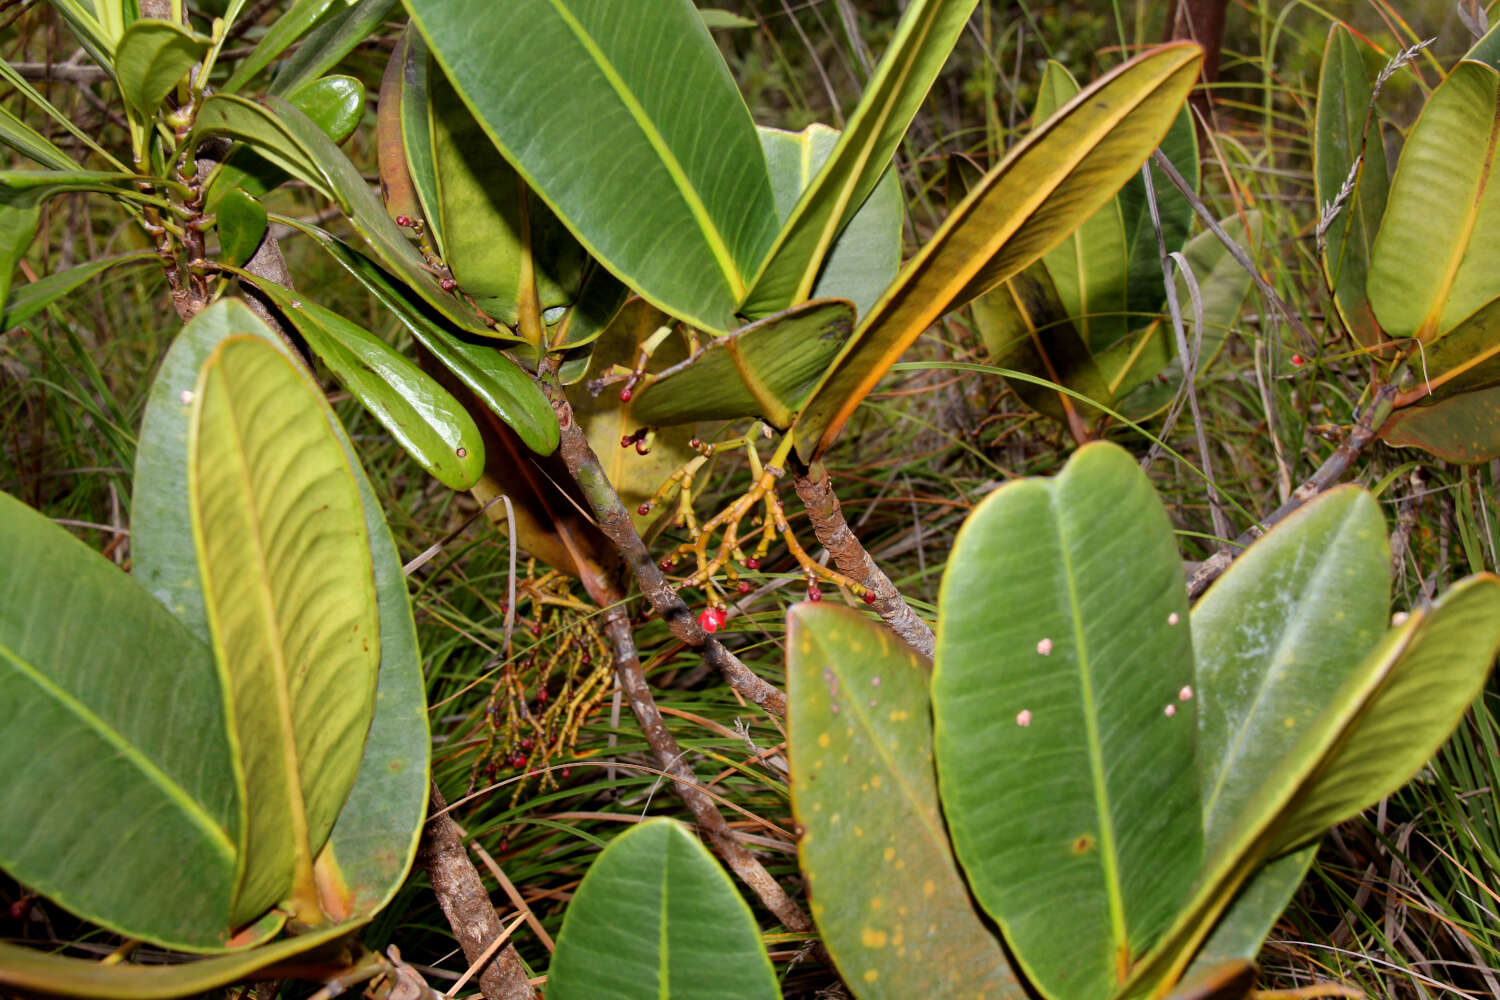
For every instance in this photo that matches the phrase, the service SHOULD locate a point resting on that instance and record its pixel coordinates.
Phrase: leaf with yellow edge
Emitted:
(289, 587)
(1059, 176)
(886, 892)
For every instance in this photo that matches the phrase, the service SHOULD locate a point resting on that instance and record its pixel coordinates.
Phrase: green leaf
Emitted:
(678, 204)
(765, 369)
(18, 226)
(1281, 629)
(501, 384)
(1064, 747)
(1022, 208)
(29, 299)
(1399, 708)
(1091, 266)
(290, 25)
(288, 586)
(669, 920)
(501, 241)
(32, 144)
(420, 414)
(1243, 928)
(886, 893)
(1346, 129)
(1487, 49)
(1466, 358)
(113, 713)
(150, 60)
(397, 182)
(718, 20)
(242, 226)
(326, 45)
(226, 114)
(1433, 259)
(1464, 428)
(923, 41)
(866, 255)
(1144, 292)
(336, 104)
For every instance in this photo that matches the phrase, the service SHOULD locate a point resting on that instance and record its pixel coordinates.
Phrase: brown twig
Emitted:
(669, 755)
(816, 493)
(467, 905)
(614, 521)
(1327, 474)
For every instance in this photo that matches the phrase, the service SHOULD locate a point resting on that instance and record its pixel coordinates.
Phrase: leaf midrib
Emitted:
(711, 235)
(175, 792)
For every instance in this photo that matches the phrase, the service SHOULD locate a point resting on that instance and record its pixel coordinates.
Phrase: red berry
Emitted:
(403, 221)
(743, 586)
(1297, 360)
(505, 845)
(665, 564)
(21, 908)
(869, 597)
(712, 619)
(693, 442)
(625, 394)
(526, 743)
(814, 593)
(626, 440)
(541, 696)
(586, 659)
(448, 284)
(517, 762)
(567, 772)
(752, 563)
(643, 509)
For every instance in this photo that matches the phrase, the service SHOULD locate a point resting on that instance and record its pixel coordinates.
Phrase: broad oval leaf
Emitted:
(241, 225)
(1282, 628)
(668, 918)
(113, 713)
(1433, 260)
(151, 58)
(765, 369)
(1065, 745)
(1463, 429)
(1018, 211)
(420, 414)
(886, 893)
(288, 587)
(672, 197)
(1347, 132)
(925, 37)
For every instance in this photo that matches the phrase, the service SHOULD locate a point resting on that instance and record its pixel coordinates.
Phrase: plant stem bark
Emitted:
(816, 493)
(467, 905)
(614, 521)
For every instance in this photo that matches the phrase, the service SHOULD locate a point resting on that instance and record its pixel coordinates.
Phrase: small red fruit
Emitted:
(869, 597)
(643, 509)
(625, 394)
(712, 619)
(448, 284)
(567, 773)
(526, 743)
(1297, 360)
(541, 696)
(814, 592)
(505, 845)
(752, 563)
(403, 221)
(743, 586)
(517, 762)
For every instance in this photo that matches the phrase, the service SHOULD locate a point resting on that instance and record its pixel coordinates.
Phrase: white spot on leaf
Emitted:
(1023, 718)
(1044, 647)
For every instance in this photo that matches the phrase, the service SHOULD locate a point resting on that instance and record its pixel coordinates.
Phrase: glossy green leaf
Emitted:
(1091, 266)
(502, 385)
(1346, 130)
(32, 144)
(1487, 49)
(866, 255)
(765, 369)
(249, 122)
(1242, 930)
(1144, 292)
(679, 205)
(335, 104)
(668, 918)
(287, 27)
(1399, 708)
(886, 893)
(326, 45)
(242, 226)
(1433, 260)
(112, 712)
(288, 587)
(718, 20)
(1464, 428)
(29, 299)
(420, 414)
(150, 60)
(599, 300)
(1284, 626)
(1057, 177)
(18, 226)
(372, 842)
(1064, 747)
(607, 418)
(501, 241)
(924, 38)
